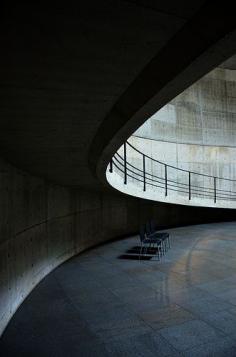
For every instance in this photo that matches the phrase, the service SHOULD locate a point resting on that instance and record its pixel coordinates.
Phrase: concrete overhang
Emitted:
(76, 82)
(202, 44)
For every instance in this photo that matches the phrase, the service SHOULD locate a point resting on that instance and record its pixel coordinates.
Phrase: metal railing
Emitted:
(167, 178)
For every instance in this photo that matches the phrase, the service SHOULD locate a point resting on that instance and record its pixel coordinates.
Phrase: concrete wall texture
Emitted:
(219, 161)
(212, 160)
(42, 225)
(196, 131)
(204, 114)
(74, 81)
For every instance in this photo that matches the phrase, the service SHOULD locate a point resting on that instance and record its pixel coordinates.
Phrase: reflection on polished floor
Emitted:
(99, 305)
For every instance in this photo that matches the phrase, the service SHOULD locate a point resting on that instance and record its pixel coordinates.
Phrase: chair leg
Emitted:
(162, 249)
(158, 250)
(140, 252)
(145, 250)
(165, 243)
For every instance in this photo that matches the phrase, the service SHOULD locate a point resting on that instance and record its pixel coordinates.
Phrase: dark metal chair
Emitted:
(152, 235)
(164, 236)
(147, 242)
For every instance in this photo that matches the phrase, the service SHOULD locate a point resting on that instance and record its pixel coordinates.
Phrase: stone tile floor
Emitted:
(99, 305)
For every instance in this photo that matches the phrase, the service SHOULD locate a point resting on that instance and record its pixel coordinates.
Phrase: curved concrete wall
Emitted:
(212, 160)
(196, 132)
(204, 114)
(216, 161)
(43, 225)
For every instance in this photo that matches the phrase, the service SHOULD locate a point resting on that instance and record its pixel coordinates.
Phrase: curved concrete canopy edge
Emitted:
(203, 43)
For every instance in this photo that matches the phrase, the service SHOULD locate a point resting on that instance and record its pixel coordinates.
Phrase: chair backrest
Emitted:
(142, 233)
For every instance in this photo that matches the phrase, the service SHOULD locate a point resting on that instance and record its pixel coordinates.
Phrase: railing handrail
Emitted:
(201, 192)
(178, 168)
(165, 181)
(194, 187)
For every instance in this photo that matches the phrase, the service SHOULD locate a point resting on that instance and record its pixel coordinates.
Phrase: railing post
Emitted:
(189, 185)
(165, 180)
(111, 166)
(125, 165)
(215, 189)
(144, 174)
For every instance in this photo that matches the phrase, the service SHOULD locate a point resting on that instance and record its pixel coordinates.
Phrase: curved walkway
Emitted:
(138, 174)
(98, 304)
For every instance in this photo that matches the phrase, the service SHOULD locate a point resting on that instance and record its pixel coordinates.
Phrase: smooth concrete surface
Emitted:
(195, 132)
(152, 90)
(157, 193)
(75, 82)
(203, 114)
(220, 164)
(64, 68)
(230, 63)
(99, 304)
(157, 155)
(43, 225)
(211, 160)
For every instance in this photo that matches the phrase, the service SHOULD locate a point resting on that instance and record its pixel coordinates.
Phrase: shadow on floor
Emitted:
(133, 254)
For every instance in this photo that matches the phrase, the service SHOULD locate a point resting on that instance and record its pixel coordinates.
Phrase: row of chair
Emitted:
(152, 241)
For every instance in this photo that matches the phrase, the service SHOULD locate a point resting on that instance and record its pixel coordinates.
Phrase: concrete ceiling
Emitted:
(230, 63)
(64, 69)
